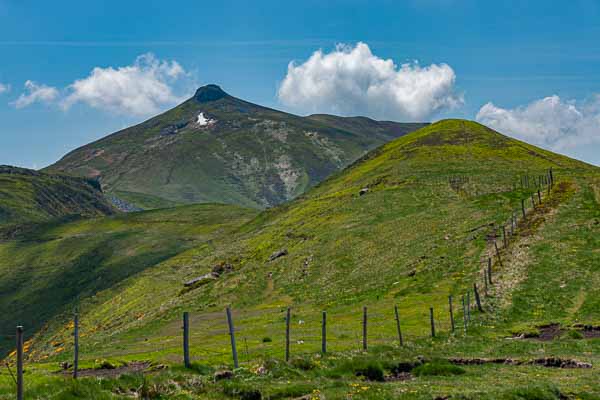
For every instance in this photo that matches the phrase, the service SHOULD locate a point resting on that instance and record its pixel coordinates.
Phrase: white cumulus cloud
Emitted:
(35, 92)
(354, 81)
(142, 88)
(549, 122)
(4, 88)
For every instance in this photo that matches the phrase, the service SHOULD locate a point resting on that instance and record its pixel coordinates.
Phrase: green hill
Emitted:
(217, 148)
(408, 224)
(31, 196)
(48, 268)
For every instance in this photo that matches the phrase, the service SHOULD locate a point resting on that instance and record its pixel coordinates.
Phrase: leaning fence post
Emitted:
(432, 321)
(75, 345)
(398, 325)
(477, 299)
(364, 326)
(232, 335)
(451, 313)
(539, 197)
(186, 339)
(485, 282)
(324, 333)
(523, 208)
(498, 253)
(287, 334)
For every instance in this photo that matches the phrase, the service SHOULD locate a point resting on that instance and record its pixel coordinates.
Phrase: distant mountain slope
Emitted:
(31, 196)
(217, 148)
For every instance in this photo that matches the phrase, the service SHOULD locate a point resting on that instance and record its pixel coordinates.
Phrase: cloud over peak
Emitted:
(142, 88)
(137, 89)
(352, 81)
(549, 122)
(36, 93)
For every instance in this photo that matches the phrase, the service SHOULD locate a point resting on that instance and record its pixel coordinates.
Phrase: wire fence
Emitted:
(245, 337)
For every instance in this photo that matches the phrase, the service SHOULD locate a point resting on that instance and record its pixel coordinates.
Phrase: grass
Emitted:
(438, 368)
(411, 241)
(53, 268)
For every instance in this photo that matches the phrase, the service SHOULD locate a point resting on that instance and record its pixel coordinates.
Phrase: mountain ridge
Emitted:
(217, 148)
(29, 196)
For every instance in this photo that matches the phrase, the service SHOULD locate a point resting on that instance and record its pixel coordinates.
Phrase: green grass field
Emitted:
(412, 240)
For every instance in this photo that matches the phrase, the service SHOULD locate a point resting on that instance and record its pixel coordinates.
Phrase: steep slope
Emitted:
(217, 148)
(31, 196)
(49, 268)
(423, 230)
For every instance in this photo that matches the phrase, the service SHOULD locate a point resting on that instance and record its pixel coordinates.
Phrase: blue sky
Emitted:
(530, 69)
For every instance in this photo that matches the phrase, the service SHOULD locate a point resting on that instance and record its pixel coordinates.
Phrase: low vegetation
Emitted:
(423, 229)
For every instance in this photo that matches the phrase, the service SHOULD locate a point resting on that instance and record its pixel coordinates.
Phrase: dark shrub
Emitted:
(371, 371)
(403, 366)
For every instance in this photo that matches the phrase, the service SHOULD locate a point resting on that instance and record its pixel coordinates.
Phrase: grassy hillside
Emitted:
(217, 148)
(423, 230)
(31, 196)
(49, 268)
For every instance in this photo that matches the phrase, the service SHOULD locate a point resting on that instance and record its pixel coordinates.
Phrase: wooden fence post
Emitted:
(398, 325)
(288, 316)
(186, 339)
(532, 201)
(451, 313)
(364, 326)
(468, 305)
(498, 253)
(477, 299)
(324, 333)
(75, 345)
(539, 197)
(485, 283)
(432, 322)
(504, 238)
(464, 314)
(523, 208)
(489, 266)
(19, 363)
(232, 336)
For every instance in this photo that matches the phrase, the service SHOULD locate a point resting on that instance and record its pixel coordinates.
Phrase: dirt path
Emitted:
(517, 257)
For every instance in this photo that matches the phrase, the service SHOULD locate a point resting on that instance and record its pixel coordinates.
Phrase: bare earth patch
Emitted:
(517, 254)
(550, 362)
(133, 367)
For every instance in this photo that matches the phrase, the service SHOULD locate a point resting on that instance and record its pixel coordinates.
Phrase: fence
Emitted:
(304, 332)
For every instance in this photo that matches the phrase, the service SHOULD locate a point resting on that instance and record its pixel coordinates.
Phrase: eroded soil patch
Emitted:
(589, 331)
(133, 367)
(550, 362)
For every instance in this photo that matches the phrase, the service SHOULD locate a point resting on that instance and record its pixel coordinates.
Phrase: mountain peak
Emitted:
(209, 93)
